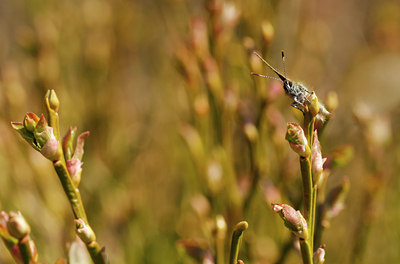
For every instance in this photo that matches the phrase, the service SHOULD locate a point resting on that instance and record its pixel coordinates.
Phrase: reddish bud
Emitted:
(30, 121)
(17, 225)
(317, 160)
(74, 167)
(297, 139)
(319, 255)
(292, 219)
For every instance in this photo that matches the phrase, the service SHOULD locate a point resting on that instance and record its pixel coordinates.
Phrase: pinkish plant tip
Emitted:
(297, 139)
(317, 160)
(74, 167)
(292, 219)
(17, 225)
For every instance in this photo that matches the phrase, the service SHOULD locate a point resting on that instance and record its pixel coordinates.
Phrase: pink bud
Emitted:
(317, 160)
(297, 139)
(292, 219)
(319, 255)
(74, 167)
(17, 225)
(30, 121)
(50, 149)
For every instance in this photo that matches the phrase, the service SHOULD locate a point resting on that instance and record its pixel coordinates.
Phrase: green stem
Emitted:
(25, 250)
(309, 192)
(97, 254)
(70, 190)
(305, 166)
(236, 240)
(306, 252)
(309, 209)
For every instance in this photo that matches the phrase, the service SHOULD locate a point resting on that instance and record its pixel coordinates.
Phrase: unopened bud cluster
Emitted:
(39, 135)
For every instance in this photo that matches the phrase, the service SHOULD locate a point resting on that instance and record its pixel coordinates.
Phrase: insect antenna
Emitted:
(265, 76)
(283, 62)
(282, 77)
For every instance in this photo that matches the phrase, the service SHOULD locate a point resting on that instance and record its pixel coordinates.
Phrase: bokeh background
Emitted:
(141, 76)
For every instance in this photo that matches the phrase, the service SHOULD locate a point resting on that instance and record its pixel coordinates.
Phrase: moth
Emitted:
(297, 91)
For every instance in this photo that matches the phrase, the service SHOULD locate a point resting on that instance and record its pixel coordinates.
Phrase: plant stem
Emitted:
(236, 240)
(309, 192)
(97, 254)
(70, 190)
(26, 252)
(306, 252)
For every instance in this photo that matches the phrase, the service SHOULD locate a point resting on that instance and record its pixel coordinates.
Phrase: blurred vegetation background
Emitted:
(134, 73)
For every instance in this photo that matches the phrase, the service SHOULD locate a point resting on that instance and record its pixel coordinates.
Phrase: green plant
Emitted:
(66, 156)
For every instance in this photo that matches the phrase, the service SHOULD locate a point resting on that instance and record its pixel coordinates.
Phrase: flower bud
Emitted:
(314, 104)
(78, 152)
(51, 150)
(52, 100)
(17, 225)
(84, 231)
(297, 139)
(292, 219)
(68, 142)
(317, 160)
(74, 167)
(30, 121)
(319, 255)
(43, 132)
(46, 140)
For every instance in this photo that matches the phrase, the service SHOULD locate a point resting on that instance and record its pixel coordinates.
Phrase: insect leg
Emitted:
(297, 105)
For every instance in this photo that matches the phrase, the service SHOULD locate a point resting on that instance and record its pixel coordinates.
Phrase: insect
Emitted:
(297, 91)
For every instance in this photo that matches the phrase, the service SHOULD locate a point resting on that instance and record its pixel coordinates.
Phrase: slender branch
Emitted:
(306, 252)
(96, 252)
(309, 191)
(70, 190)
(236, 240)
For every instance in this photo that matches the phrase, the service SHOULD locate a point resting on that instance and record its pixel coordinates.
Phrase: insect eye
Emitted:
(288, 83)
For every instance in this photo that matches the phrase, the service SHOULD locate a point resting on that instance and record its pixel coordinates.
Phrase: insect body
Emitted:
(295, 90)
